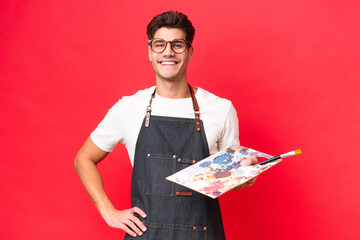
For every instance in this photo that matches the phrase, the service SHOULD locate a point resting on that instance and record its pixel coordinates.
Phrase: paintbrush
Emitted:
(289, 154)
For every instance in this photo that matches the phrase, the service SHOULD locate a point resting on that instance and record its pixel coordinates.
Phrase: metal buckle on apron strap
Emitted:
(148, 113)
(148, 109)
(196, 109)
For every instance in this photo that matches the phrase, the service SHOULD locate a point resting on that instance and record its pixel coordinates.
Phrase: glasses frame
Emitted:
(188, 44)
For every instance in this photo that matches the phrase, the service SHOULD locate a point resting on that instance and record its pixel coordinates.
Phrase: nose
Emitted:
(168, 50)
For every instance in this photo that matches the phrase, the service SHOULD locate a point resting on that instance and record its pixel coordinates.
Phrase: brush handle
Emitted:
(289, 154)
(267, 161)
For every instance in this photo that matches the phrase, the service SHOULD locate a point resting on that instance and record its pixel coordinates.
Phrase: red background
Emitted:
(291, 69)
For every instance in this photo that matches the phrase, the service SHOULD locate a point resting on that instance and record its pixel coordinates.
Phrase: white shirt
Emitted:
(123, 121)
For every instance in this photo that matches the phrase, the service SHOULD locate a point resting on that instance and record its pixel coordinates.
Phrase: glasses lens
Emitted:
(178, 45)
(158, 45)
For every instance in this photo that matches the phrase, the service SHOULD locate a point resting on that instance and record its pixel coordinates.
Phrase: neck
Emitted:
(172, 89)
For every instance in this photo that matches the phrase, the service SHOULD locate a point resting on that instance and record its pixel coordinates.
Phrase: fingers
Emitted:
(134, 220)
(244, 163)
(246, 184)
(131, 226)
(128, 231)
(126, 221)
(138, 211)
(249, 161)
(238, 188)
(251, 182)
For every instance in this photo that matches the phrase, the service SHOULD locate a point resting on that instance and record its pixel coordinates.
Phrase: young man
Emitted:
(165, 129)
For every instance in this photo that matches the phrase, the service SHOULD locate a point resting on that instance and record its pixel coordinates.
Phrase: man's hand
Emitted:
(245, 163)
(126, 220)
(85, 164)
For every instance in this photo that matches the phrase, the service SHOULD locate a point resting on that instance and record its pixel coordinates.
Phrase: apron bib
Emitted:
(166, 145)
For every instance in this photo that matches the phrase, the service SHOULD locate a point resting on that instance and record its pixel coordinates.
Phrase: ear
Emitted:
(149, 53)
(191, 51)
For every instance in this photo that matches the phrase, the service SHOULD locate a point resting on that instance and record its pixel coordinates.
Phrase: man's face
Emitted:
(169, 65)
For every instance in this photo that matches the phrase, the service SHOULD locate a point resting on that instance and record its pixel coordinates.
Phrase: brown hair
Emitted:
(171, 19)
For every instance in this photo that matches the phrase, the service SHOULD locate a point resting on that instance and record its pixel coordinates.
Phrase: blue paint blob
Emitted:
(223, 159)
(205, 164)
(220, 159)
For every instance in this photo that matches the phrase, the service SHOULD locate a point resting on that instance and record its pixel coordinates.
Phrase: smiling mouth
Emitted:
(168, 63)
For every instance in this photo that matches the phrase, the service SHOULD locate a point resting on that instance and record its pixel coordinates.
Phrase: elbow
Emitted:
(77, 162)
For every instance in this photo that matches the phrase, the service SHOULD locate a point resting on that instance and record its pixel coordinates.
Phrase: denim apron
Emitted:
(166, 145)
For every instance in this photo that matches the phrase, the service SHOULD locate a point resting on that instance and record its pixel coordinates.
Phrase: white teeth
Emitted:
(168, 63)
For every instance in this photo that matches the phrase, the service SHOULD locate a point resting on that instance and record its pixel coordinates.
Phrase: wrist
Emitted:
(104, 207)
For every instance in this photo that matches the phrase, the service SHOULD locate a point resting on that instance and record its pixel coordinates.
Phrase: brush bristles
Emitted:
(297, 151)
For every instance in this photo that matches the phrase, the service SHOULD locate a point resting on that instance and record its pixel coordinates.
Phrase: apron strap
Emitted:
(196, 109)
(195, 106)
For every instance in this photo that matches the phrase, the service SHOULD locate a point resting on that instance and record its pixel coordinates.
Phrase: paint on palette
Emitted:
(221, 172)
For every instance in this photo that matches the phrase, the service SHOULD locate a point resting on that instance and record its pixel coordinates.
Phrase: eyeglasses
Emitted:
(159, 45)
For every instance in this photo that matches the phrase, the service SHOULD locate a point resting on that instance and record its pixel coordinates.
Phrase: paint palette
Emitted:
(221, 172)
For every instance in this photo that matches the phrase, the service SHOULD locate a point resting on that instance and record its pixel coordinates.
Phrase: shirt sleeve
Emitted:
(109, 132)
(230, 131)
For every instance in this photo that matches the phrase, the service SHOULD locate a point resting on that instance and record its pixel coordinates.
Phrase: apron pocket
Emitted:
(158, 167)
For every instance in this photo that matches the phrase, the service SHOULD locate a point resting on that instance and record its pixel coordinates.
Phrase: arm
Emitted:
(85, 164)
